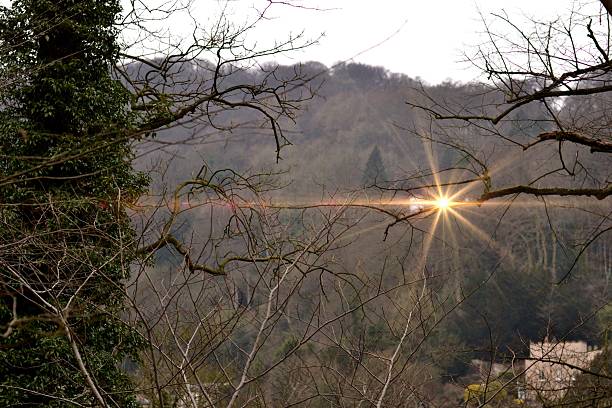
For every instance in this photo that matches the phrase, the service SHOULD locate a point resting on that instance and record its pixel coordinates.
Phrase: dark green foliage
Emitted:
(516, 307)
(593, 389)
(378, 337)
(65, 175)
(374, 172)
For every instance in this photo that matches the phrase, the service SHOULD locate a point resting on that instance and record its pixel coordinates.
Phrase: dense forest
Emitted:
(495, 291)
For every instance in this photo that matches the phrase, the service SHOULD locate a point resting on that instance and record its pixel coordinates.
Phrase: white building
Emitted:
(552, 368)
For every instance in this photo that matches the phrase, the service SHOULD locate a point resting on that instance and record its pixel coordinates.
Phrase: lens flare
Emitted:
(443, 203)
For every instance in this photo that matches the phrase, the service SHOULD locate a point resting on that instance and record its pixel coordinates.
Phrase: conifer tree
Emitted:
(374, 170)
(65, 176)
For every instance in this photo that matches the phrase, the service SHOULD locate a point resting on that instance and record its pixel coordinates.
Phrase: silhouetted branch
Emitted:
(596, 145)
(599, 193)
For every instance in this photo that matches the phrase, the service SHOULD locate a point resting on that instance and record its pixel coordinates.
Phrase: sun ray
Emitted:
(427, 242)
(483, 236)
(428, 149)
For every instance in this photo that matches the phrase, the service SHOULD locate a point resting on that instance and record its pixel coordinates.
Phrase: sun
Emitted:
(443, 203)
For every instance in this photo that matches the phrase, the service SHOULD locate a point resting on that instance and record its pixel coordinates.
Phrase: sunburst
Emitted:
(443, 203)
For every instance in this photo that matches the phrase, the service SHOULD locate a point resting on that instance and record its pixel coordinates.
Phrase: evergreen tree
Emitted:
(65, 175)
(374, 170)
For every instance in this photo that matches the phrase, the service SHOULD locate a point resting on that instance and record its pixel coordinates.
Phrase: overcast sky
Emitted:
(424, 38)
(418, 38)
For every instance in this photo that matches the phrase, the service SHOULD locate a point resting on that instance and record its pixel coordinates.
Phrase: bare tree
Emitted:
(532, 143)
(55, 260)
(540, 126)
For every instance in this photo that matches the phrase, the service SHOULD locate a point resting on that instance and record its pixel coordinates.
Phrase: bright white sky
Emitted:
(427, 37)
(424, 38)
